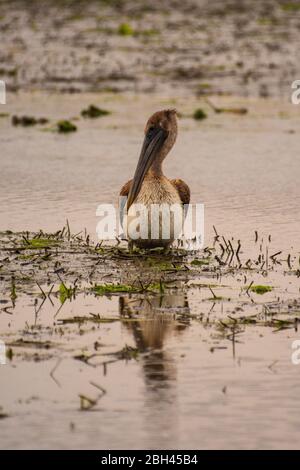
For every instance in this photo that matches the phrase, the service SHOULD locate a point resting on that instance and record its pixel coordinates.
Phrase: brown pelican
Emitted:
(150, 186)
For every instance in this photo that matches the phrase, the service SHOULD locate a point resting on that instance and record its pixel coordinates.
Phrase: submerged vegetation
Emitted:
(41, 261)
(125, 29)
(27, 121)
(68, 275)
(65, 127)
(80, 294)
(199, 114)
(94, 112)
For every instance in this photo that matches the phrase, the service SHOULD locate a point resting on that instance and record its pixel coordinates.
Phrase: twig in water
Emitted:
(221, 263)
(42, 291)
(99, 387)
(223, 249)
(69, 231)
(249, 287)
(53, 370)
(226, 245)
(215, 297)
(217, 235)
(270, 367)
(238, 250)
(86, 403)
(230, 246)
(275, 254)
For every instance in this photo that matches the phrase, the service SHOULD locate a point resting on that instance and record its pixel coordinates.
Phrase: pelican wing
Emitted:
(125, 189)
(183, 190)
(123, 199)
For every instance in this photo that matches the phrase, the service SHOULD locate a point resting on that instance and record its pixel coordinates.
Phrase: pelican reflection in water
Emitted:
(152, 324)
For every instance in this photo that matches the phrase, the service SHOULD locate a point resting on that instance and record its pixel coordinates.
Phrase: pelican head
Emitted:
(160, 136)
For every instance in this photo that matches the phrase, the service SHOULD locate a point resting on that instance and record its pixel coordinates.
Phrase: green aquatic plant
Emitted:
(9, 354)
(27, 121)
(163, 265)
(39, 243)
(107, 289)
(65, 127)
(65, 292)
(260, 289)
(199, 114)
(200, 262)
(128, 352)
(104, 289)
(125, 29)
(94, 112)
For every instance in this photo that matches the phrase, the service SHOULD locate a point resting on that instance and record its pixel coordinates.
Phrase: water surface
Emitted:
(185, 383)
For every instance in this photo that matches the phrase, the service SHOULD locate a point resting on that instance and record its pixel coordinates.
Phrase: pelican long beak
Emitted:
(152, 144)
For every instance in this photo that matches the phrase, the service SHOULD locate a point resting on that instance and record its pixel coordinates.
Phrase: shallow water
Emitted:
(245, 169)
(187, 388)
(189, 385)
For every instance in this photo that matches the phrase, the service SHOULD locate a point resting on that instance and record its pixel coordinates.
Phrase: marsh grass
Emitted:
(38, 243)
(65, 265)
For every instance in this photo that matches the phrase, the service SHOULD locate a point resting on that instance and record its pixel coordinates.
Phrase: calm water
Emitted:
(245, 169)
(189, 387)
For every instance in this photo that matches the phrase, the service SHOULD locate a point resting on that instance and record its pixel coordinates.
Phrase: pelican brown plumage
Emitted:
(149, 185)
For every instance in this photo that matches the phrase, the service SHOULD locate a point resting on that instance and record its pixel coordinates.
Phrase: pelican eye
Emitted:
(152, 131)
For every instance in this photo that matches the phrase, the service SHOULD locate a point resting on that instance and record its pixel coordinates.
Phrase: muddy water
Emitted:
(183, 380)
